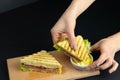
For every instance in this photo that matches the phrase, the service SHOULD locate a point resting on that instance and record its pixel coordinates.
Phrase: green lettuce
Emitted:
(23, 67)
(58, 48)
(88, 44)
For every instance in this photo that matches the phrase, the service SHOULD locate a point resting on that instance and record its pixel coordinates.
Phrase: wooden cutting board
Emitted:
(69, 72)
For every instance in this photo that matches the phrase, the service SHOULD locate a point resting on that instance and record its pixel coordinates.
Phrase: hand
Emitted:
(108, 47)
(64, 28)
(66, 24)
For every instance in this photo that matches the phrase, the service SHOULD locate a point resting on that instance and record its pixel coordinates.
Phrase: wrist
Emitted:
(77, 7)
(116, 39)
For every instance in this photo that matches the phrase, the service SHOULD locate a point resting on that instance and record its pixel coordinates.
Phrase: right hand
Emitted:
(64, 28)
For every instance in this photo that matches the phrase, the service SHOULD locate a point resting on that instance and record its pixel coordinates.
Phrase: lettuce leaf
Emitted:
(88, 44)
(23, 67)
(58, 48)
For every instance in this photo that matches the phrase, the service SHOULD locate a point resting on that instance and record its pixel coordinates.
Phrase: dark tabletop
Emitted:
(26, 30)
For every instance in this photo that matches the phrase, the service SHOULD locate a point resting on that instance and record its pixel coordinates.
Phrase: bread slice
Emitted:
(41, 61)
(82, 51)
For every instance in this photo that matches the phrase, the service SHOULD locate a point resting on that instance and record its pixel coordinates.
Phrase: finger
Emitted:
(92, 66)
(106, 65)
(63, 36)
(95, 47)
(101, 59)
(114, 67)
(72, 40)
(55, 37)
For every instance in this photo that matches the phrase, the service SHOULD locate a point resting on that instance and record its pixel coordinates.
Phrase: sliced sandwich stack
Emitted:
(41, 61)
(82, 51)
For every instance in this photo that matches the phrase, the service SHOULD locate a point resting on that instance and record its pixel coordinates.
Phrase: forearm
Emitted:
(77, 7)
(116, 39)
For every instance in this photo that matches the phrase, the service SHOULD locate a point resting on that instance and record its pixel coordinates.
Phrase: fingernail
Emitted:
(110, 72)
(74, 47)
(97, 68)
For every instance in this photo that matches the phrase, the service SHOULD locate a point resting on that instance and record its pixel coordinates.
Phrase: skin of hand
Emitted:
(66, 24)
(107, 47)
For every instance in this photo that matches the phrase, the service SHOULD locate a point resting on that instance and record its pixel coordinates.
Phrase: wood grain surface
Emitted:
(69, 72)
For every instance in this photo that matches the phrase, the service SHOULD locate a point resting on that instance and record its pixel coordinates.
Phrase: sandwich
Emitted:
(82, 51)
(40, 62)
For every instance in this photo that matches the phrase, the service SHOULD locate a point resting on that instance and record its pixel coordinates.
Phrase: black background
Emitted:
(6, 5)
(26, 29)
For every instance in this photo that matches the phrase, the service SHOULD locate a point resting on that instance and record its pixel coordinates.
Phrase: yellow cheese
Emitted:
(83, 63)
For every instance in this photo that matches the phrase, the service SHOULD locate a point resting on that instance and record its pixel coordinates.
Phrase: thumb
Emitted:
(71, 37)
(95, 47)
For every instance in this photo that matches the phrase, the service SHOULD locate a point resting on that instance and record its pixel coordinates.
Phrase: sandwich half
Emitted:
(82, 51)
(41, 61)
